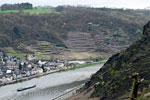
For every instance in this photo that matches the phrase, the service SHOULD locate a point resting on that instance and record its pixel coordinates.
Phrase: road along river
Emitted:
(50, 86)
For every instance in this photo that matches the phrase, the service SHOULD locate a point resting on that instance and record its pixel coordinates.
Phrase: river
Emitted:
(50, 86)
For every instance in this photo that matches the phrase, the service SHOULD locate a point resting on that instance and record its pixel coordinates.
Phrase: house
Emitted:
(28, 73)
(8, 71)
(60, 64)
(19, 76)
(29, 66)
(3, 80)
(1, 73)
(4, 69)
(16, 71)
(36, 70)
(14, 76)
(33, 71)
(52, 65)
(11, 64)
(1, 54)
(39, 70)
(22, 63)
(9, 77)
(41, 62)
(30, 57)
(47, 68)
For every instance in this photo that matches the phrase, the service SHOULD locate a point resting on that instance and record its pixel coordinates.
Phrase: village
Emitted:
(13, 70)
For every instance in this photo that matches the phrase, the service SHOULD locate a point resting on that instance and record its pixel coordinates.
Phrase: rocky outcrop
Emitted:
(113, 77)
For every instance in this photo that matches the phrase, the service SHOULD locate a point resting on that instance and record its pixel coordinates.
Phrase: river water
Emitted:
(50, 86)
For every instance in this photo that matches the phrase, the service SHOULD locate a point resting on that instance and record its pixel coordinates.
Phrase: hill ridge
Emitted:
(107, 32)
(114, 75)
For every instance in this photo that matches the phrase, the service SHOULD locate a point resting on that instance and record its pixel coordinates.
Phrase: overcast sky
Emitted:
(94, 3)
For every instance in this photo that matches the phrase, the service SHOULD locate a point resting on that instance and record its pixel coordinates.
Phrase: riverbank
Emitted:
(87, 65)
(69, 93)
(29, 78)
(51, 72)
(49, 86)
(73, 93)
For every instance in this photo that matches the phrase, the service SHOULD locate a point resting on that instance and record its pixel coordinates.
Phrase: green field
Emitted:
(42, 50)
(31, 11)
(90, 64)
(83, 66)
(39, 55)
(11, 52)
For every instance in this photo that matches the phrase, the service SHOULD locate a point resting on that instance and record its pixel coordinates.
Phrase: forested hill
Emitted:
(16, 6)
(70, 30)
(113, 77)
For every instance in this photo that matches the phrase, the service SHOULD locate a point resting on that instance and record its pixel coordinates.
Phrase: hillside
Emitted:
(71, 32)
(112, 81)
(36, 10)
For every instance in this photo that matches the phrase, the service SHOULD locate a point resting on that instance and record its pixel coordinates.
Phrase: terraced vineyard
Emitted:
(44, 49)
(80, 41)
(70, 33)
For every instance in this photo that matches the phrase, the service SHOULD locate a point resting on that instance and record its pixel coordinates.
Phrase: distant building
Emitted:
(1, 73)
(39, 70)
(1, 54)
(11, 64)
(77, 62)
(30, 57)
(8, 71)
(29, 66)
(41, 62)
(36, 70)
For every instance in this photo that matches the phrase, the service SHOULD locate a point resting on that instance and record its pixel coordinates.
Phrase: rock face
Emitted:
(113, 77)
(146, 30)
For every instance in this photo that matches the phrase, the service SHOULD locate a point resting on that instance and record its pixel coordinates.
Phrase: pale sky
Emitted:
(135, 4)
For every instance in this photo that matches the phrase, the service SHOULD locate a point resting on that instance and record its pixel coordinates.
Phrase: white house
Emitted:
(47, 68)
(41, 62)
(60, 64)
(35, 71)
(29, 66)
(8, 71)
(39, 70)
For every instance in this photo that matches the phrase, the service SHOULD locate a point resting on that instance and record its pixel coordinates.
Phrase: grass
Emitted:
(31, 11)
(91, 64)
(17, 54)
(43, 50)
(44, 55)
(9, 11)
(11, 52)
(43, 43)
(41, 54)
(145, 95)
(87, 65)
(75, 55)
